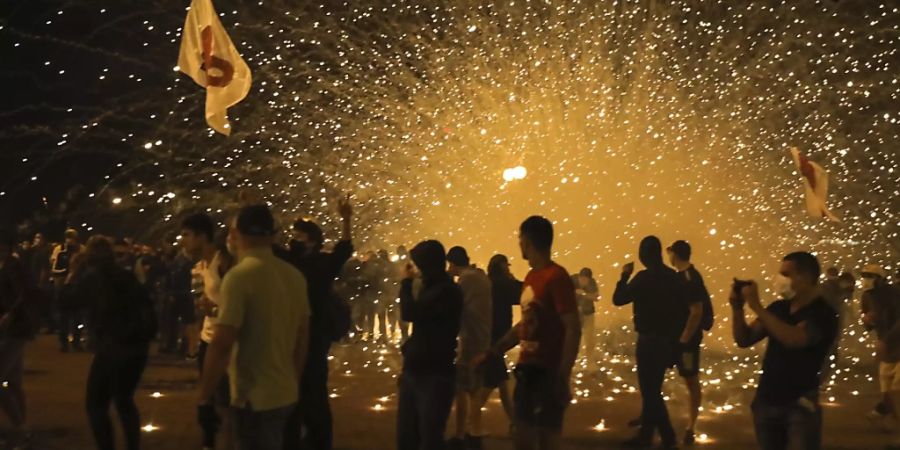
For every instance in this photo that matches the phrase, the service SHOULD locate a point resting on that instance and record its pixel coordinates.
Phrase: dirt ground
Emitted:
(364, 377)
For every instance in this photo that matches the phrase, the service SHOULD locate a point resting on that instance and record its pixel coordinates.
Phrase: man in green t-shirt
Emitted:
(261, 336)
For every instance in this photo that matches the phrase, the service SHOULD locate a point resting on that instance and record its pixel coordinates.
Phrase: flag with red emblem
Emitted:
(815, 180)
(209, 57)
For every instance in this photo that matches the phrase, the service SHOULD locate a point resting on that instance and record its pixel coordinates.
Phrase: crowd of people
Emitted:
(259, 318)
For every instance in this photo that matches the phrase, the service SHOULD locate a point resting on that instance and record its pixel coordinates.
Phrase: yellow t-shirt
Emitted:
(265, 298)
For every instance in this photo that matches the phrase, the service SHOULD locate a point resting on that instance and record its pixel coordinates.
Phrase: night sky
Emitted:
(53, 54)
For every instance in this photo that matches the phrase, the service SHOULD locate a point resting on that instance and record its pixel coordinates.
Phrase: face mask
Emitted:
(782, 286)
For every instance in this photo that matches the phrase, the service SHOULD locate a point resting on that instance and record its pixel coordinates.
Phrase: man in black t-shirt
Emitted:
(801, 329)
(688, 361)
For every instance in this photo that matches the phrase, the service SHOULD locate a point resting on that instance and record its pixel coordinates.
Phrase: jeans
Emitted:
(260, 430)
(314, 412)
(113, 378)
(795, 426)
(423, 409)
(654, 356)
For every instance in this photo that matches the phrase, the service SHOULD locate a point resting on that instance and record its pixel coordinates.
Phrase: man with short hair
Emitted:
(197, 236)
(474, 339)
(183, 290)
(320, 270)
(700, 319)
(549, 335)
(261, 336)
(801, 328)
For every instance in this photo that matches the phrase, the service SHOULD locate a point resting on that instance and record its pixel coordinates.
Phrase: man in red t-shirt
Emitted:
(549, 334)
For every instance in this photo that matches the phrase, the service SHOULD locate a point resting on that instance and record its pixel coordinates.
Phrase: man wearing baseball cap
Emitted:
(699, 320)
(264, 319)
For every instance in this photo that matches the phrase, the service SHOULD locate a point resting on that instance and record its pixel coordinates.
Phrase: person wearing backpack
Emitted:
(123, 323)
(699, 320)
(330, 322)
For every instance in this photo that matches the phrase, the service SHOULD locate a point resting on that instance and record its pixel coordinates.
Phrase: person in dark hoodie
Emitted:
(658, 297)
(123, 323)
(320, 270)
(428, 378)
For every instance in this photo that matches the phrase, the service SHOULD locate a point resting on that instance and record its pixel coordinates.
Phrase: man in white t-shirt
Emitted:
(474, 339)
(197, 235)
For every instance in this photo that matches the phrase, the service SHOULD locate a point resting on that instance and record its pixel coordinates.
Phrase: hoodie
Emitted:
(657, 294)
(435, 313)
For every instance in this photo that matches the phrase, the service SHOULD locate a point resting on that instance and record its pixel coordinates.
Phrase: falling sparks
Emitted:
(674, 121)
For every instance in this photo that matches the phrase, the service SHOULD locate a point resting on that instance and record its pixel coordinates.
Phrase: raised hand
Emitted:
(345, 209)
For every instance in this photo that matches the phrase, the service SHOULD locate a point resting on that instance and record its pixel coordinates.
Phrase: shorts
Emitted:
(539, 399)
(889, 377)
(469, 380)
(688, 361)
(495, 372)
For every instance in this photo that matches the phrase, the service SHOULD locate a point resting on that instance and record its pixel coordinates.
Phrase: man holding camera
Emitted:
(801, 328)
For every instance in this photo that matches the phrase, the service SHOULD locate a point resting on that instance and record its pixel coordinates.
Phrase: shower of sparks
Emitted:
(631, 117)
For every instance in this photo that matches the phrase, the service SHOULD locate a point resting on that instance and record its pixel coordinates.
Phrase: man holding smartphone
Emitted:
(801, 328)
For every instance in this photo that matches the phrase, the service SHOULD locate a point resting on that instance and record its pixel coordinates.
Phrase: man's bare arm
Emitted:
(693, 322)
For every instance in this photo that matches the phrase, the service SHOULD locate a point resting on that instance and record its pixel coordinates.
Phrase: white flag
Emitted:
(208, 56)
(815, 179)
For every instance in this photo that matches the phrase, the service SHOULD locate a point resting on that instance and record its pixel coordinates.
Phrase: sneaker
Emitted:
(689, 438)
